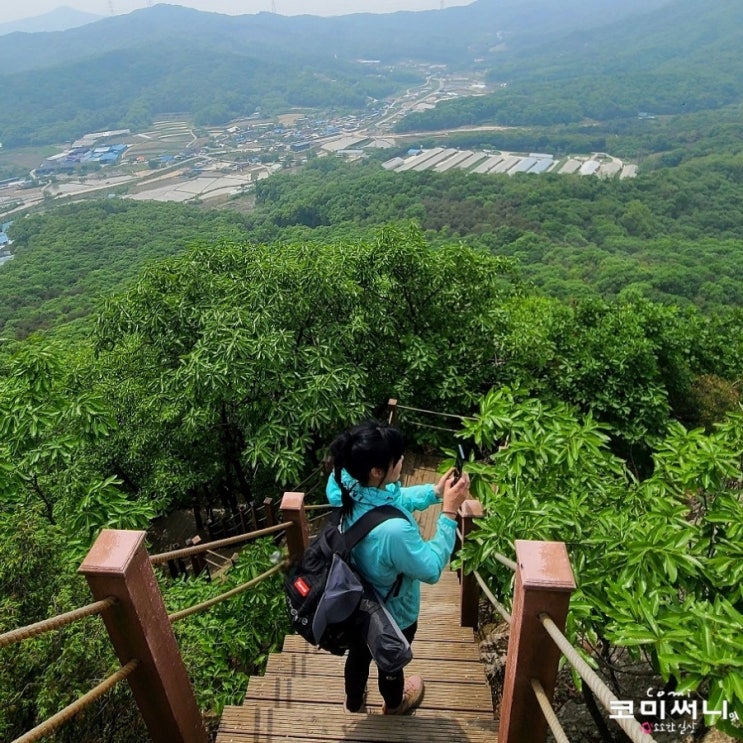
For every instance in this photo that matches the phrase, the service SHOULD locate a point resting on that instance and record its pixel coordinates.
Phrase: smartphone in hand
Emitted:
(458, 464)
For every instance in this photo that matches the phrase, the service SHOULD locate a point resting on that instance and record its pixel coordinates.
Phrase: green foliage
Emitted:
(238, 360)
(66, 260)
(633, 365)
(670, 236)
(225, 644)
(657, 562)
(50, 424)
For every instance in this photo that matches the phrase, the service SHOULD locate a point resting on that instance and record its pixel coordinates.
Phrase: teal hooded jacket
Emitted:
(396, 546)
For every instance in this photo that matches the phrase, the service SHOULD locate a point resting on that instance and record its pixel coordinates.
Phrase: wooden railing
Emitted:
(120, 574)
(121, 577)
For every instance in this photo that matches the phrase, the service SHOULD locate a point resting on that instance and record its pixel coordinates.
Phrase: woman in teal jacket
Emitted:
(367, 461)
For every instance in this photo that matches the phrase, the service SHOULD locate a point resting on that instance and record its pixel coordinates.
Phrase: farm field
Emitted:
(441, 159)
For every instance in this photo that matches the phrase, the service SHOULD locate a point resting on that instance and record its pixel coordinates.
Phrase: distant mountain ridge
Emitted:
(59, 19)
(123, 71)
(453, 35)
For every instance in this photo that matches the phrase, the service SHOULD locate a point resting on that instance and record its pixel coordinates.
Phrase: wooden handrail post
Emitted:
(297, 536)
(392, 411)
(544, 582)
(138, 625)
(469, 590)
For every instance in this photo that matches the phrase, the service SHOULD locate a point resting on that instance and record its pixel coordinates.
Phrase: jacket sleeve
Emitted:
(416, 557)
(418, 497)
(333, 492)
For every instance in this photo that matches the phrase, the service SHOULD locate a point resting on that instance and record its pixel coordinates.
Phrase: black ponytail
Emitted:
(338, 451)
(359, 450)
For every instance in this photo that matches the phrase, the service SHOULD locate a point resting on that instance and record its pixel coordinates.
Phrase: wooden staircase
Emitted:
(300, 698)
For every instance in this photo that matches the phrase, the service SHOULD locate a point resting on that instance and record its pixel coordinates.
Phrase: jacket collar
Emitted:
(367, 494)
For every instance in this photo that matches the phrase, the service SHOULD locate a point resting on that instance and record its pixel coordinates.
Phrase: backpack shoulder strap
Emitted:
(368, 521)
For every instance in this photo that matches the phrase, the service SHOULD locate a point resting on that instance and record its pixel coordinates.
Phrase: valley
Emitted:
(177, 161)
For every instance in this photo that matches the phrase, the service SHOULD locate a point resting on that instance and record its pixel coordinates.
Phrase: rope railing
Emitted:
(61, 717)
(61, 620)
(498, 606)
(503, 560)
(633, 729)
(226, 595)
(548, 712)
(227, 542)
(602, 692)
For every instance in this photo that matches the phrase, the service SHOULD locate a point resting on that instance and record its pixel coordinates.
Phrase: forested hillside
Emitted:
(423, 35)
(681, 58)
(219, 376)
(161, 357)
(672, 236)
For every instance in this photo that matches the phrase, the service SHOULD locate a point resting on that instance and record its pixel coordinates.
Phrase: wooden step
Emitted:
(320, 665)
(321, 724)
(441, 696)
(444, 632)
(421, 649)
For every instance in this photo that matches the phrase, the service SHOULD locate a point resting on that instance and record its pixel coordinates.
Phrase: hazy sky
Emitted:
(28, 8)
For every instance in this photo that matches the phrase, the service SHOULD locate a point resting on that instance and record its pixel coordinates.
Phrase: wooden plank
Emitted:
(296, 664)
(444, 633)
(321, 723)
(440, 695)
(421, 649)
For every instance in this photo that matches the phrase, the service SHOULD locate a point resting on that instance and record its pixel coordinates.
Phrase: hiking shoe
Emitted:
(360, 711)
(412, 696)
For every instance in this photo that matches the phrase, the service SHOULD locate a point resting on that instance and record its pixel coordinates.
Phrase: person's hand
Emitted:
(438, 488)
(455, 493)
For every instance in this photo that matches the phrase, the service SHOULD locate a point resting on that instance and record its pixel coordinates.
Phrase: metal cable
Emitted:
(47, 625)
(197, 549)
(56, 721)
(223, 596)
(316, 471)
(435, 428)
(549, 713)
(500, 608)
(598, 687)
(433, 412)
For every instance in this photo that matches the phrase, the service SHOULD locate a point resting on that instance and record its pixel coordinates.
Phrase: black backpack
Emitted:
(330, 604)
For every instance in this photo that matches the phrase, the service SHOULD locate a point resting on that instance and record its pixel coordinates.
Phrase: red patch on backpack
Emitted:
(302, 586)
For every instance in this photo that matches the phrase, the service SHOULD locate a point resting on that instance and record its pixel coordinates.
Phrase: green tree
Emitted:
(657, 561)
(239, 362)
(49, 424)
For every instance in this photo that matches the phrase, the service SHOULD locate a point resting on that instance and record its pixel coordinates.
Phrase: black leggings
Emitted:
(356, 675)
